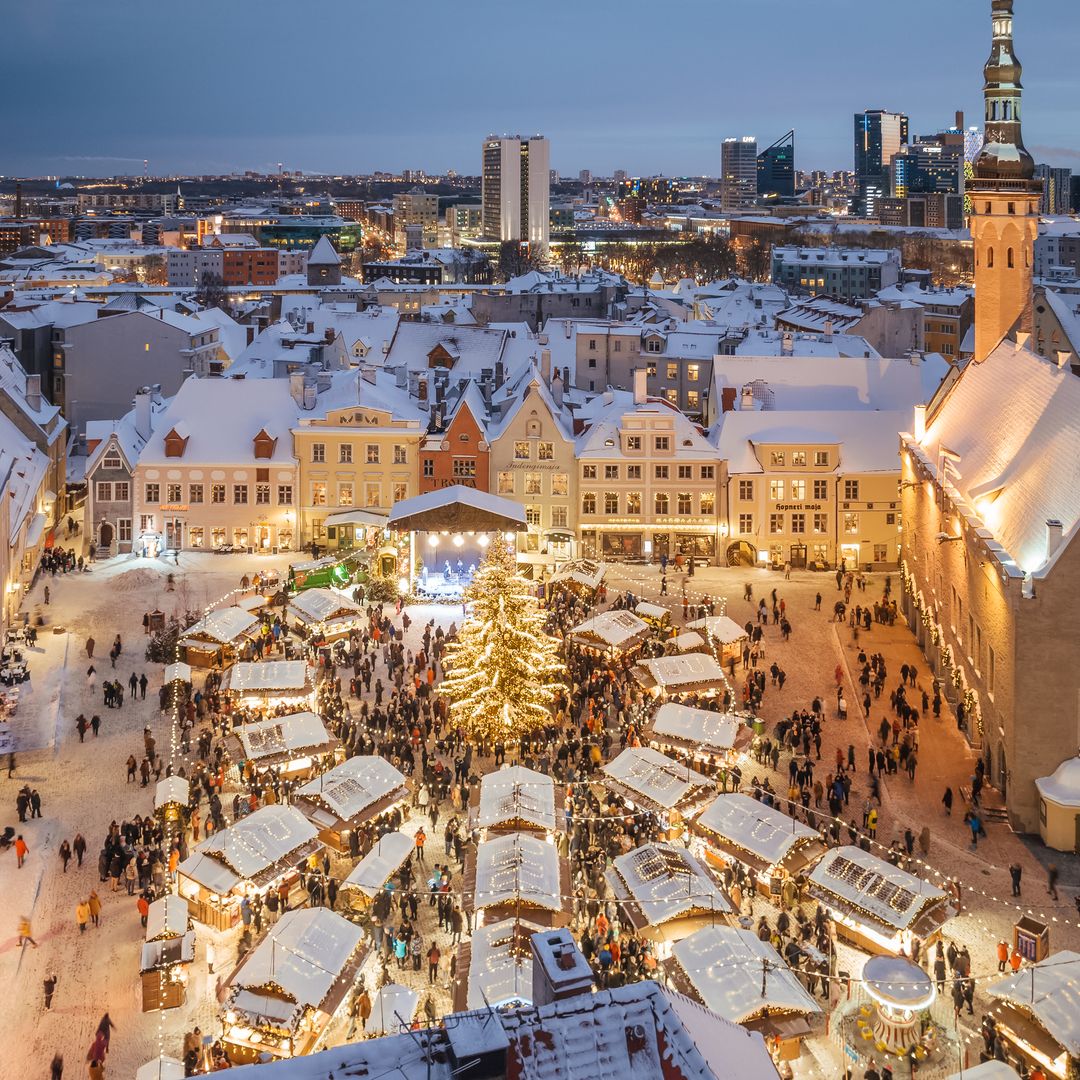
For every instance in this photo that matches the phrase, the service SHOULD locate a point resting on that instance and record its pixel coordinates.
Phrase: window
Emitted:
(611, 472)
(111, 461)
(683, 503)
(662, 442)
(798, 457)
(661, 503)
(465, 467)
(633, 472)
(153, 493)
(146, 523)
(890, 519)
(708, 472)
(746, 490)
(821, 523)
(693, 400)
(776, 490)
(318, 452)
(195, 493)
(545, 451)
(851, 524)
(532, 515)
(633, 502)
(373, 453)
(692, 372)
(798, 523)
(104, 491)
(174, 493)
(345, 453)
(121, 491)
(617, 346)
(673, 373)
(523, 450)
(776, 523)
(798, 490)
(560, 483)
(592, 344)
(611, 502)
(851, 489)
(654, 345)
(821, 489)
(1010, 259)
(318, 493)
(262, 494)
(746, 523)
(881, 552)
(401, 454)
(660, 472)
(978, 657)
(991, 669)
(671, 395)
(401, 491)
(345, 493)
(373, 494)
(588, 472)
(240, 537)
(778, 459)
(217, 537)
(685, 472)
(708, 502)
(633, 442)
(532, 483)
(558, 517)
(588, 502)
(506, 482)
(217, 493)
(195, 536)
(123, 534)
(821, 457)
(429, 467)
(284, 494)
(239, 494)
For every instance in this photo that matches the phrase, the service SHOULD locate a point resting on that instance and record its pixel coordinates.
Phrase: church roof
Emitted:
(324, 254)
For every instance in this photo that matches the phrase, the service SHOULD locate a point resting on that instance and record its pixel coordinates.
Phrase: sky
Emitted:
(351, 86)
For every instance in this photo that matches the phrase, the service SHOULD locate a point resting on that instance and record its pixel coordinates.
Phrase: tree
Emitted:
(212, 292)
(503, 670)
(515, 259)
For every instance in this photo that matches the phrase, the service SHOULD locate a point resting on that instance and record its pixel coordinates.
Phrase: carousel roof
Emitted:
(458, 508)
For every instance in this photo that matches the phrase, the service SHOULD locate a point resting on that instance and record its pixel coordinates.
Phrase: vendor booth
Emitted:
(296, 744)
(495, 967)
(701, 733)
(771, 845)
(285, 992)
(689, 641)
(687, 673)
(349, 795)
(745, 980)
(647, 779)
(665, 893)
(516, 800)
(324, 614)
(517, 876)
(657, 616)
(611, 632)
(876, 905)
(217, 638)
(392, 1010)
(168, 949)
(581, 576)
(268, 683)
(257, 853)
(171, 797)
(370, 875)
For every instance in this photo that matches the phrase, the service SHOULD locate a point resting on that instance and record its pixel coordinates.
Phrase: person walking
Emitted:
(946, 801)
(1051, 880)
(65, 854)
(93, 902)
(21, 851)
(78, 845)
(26, 933)
(90, 648)
(1016, 872)
(49, 984)
(82, 915)
(433, 958)
(56, 1069)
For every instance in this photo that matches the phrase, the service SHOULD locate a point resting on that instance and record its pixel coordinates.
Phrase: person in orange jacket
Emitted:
(1003, 955)
(21, 850)
(1015, 961)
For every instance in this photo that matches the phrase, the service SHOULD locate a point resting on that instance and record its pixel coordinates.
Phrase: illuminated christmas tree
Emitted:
(504, 670)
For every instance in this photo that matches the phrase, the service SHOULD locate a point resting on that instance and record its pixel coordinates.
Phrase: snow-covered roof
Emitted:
(161, 1068)
(601, 439)
(501, 964)
(1050, 992)
(703, 727)
(724, 965)
(988, 1070)
(472, 348)
(518, 867)
(380, 864)
(580, 572)
(677, 674)
(458, 499)
(653, 776)
(1063, 785)
(611, 629)
(167, 917)
(324, 253)
(517, 795)
(171, 789)
(749, 826)
(763, 343)
(284, 737)
(649, 610)
(688, 641)
(324, 605)
(259, 676)
(351, 789)
(720, 628)
(392, 1006)
(224, 625)
(664, 883)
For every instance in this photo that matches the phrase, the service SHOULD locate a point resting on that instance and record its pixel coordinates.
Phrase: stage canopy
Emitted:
(457, 509)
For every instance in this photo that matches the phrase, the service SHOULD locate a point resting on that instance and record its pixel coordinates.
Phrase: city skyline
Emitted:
(364, 110)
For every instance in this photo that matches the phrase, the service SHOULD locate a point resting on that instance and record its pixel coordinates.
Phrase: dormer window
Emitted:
(264, 444)
(176, 441)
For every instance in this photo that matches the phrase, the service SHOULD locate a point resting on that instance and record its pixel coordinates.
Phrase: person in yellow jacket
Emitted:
(82, 915)
(871, 823)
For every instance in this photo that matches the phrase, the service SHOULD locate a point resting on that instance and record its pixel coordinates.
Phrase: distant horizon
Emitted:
(613, 86)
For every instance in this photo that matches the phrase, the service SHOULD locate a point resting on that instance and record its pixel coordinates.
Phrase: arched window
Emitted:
(1006, 110)
(1009, 257)
(990, 257)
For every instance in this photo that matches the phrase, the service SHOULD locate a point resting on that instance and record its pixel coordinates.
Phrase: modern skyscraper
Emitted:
(878, 135)
(738, 173)
(516, 191)
(776, 168)
(925, 167)
(1005, 199)
(1057, 189)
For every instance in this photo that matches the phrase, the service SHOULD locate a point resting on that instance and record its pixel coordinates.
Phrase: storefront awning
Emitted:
(357, 516)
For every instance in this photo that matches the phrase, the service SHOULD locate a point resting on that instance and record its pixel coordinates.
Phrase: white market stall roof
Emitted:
(173, 672)
(380, 864)
(500, 964)
(284, 738)
(663, 883)
(687, 642)
(988, 1070)
(225, 625)
(324, 605)
(1049, 992)
(518, 868)
(611, 630)
(651, 611)
(724, 966)
(702, 727)
(168, 917)
(391, 1002)
(457, 508)
(355, 787)
(515, 795)
(759, 835)
(680, 674)
(266, 676)
(648, 775)
(719, 628)
(582, 572)
(301, 957)
(161, 1068)
(357, 516)
(253, 849)
(1062, 787)
(868, 889)
(172, 789)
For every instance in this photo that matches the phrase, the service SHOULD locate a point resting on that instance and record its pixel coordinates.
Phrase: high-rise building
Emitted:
(776, 168)
(417, 208)
(738, 173)
(585, 176)
(1005, 199)
(878, 135)
(926, 167)
(516, 189)
(1057, 189)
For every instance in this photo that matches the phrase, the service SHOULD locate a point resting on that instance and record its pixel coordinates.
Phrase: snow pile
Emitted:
(134, 580)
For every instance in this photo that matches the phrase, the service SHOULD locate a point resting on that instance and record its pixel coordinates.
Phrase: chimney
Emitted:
(920, 423)
(250, 334)
(565, 377)
(560, 971)
(33, 392)
(545, 365)
(296, 388)
(727, 398)
(1054, 530)
(310, 393)
(144, 412)
(310, 327)
(18, 200)
(328, 335)
(422, 390)
(746, 403)
(500, 373)
(557, 388)
(827, 336)
(787, 343)
(567, 328)
(641, 385)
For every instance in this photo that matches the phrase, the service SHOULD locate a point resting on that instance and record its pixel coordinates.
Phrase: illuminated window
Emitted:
(588, 503)
(611, 502)
(661, 503)
(798, 457)
(560, 483)
(373, 494)
(506, 482)
(345, 453)
(401, 454)
(345, 494)
(798, 490)
(776, 490)
(851, 524)
(523, 450)
(683, 503)
(318, 493)
(778, 458)
(633, 502)
(776, 523)
(532, 483)
(545, 451)
(708, 502)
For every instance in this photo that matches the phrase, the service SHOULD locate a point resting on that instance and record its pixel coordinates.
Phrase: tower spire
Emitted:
(1004, 156)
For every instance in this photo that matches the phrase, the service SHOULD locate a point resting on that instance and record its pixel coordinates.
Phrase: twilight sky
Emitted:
(92, 88)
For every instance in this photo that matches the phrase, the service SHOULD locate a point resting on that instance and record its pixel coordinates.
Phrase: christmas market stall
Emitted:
(745, 980)
(611, 632)
(370, 875)
(341, 801)
(876, 905)
(688, 641)
(517, 876)
(581, 576)
(686, 673)
(774, 847)
(168, 948)
(495, 967)
(665, 893)
(516, 799)
(1038, 1014)
(171, 796)
(296, 744)
(284, 993)
(652, 781)
(657, 616)
(724, 635)
(392, 1007)
(256, 854)
(703, 734)
(266, 683)
(326, 615)
(218, 637)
